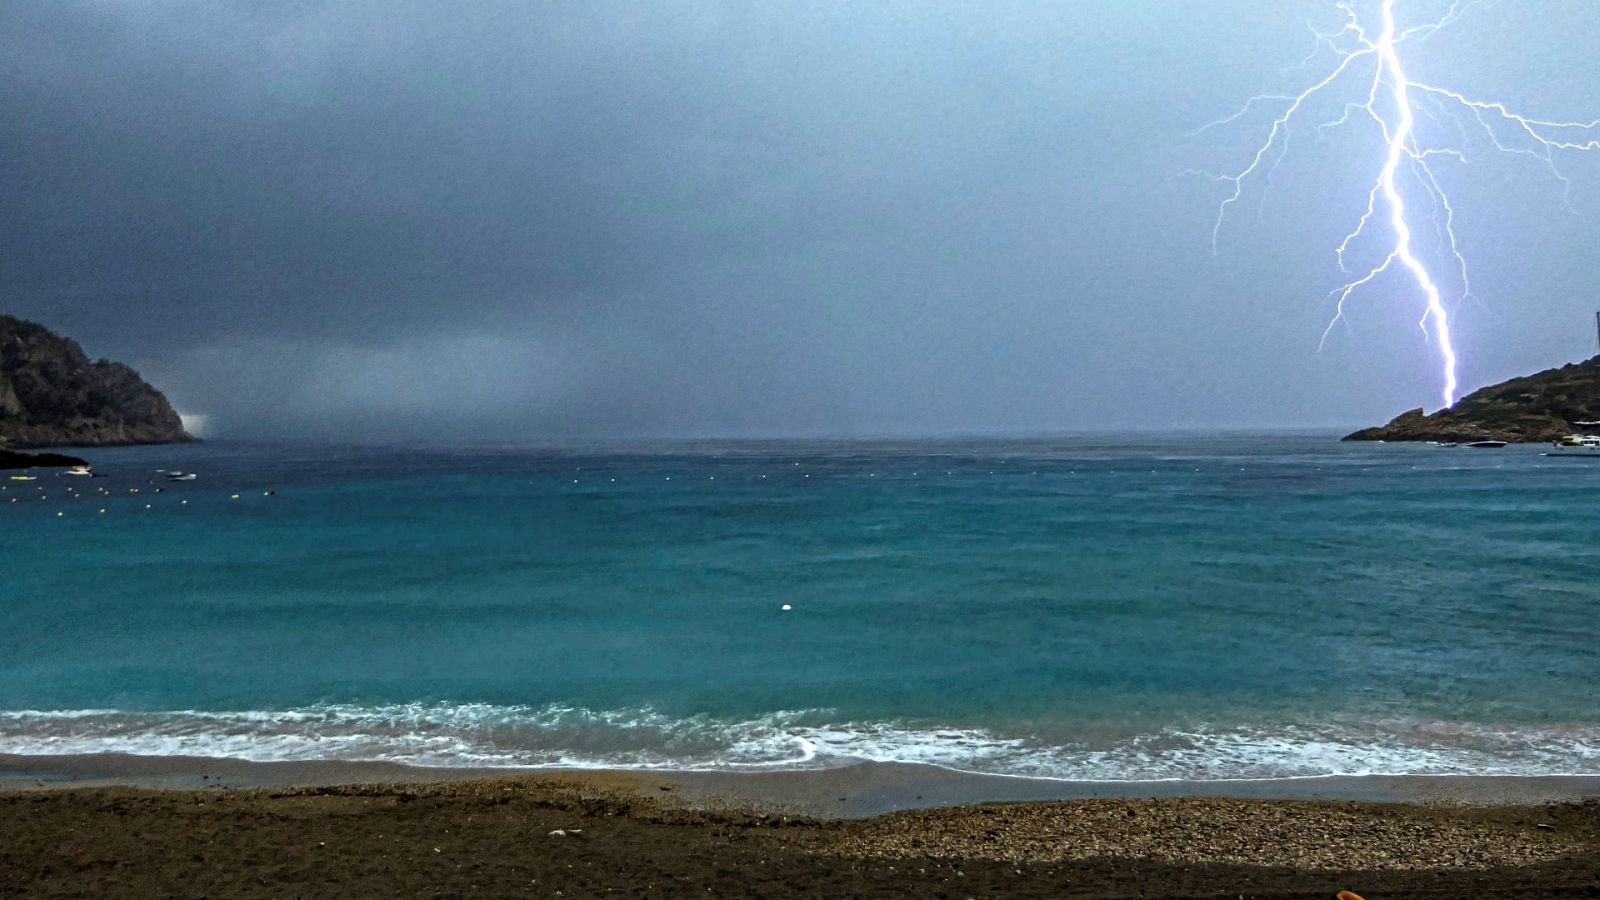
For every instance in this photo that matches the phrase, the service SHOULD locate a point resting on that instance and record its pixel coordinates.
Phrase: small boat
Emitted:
(1487, 445)
(24, 478)
(82, 471)
(181, 476)
(1576, 445)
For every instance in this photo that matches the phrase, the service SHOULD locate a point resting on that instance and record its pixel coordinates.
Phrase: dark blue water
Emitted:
(1131, 607)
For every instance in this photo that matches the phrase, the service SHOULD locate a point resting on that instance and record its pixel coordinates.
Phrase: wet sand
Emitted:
(582, 834)
(867, 789)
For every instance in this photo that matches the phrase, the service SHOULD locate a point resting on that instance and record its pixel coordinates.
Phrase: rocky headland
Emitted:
(1543, 406)
(52, 395)
(11, 460)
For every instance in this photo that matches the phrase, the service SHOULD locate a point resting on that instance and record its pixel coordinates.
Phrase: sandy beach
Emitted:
(131, 826)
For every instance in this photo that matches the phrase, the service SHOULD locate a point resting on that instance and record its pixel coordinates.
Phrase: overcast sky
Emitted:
(545, 220)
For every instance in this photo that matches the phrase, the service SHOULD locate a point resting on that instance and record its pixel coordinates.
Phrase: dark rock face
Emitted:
(52, 395)
(1539, 407)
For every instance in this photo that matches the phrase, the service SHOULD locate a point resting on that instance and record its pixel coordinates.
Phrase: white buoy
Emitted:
(787, 607)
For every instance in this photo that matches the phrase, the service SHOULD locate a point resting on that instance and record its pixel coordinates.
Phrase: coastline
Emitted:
(860, 790)
(96, 827)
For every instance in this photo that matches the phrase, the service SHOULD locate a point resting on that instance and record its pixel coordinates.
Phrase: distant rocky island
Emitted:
(52, 395)
(1539, 407)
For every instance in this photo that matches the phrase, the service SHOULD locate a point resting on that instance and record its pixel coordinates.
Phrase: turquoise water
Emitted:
(1195, 606)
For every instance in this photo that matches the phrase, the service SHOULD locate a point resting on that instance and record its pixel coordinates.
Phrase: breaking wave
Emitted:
(481, 735)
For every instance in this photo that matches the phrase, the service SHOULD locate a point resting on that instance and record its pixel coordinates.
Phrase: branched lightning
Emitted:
(1393, 100)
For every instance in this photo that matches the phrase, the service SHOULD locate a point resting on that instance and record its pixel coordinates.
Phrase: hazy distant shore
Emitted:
(865, 789)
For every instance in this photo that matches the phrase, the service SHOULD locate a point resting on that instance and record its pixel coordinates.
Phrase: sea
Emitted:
(1095, 608)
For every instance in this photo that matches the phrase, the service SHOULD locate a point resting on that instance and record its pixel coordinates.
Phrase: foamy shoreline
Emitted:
(863, 789)
(560, 736)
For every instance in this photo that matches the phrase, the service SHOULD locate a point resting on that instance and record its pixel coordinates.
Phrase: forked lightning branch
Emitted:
(1366, 62)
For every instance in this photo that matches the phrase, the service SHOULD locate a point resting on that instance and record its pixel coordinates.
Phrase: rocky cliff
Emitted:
(52, 395)
(1539, 407)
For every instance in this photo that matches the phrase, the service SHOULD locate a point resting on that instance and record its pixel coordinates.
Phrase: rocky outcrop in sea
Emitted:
(1539, 407)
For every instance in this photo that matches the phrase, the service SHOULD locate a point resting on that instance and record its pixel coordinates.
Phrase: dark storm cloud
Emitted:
(300, 169)
(542, 219)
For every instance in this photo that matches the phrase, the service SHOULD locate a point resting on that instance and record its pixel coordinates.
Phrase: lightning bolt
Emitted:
(1392, 100)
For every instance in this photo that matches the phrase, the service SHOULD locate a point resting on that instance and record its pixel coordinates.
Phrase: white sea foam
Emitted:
(455, 735)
